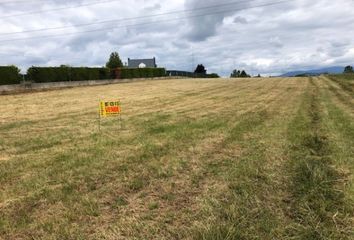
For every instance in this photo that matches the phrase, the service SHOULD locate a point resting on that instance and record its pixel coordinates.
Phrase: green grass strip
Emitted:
(317, 206)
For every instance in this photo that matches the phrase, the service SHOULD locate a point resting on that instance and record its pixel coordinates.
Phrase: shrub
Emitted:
(348, 69)
(213, 75)
(9, 75)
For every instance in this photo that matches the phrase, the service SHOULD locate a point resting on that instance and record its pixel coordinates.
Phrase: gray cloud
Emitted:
(241, 20)
(154, 7)
(299, 34)
(276, 42)
(200, 28)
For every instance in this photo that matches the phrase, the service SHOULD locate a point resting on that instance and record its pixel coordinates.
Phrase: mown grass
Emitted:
(250, 205)
(319, 205)
(342, 97)
(196, 159)
(237, 215)
(346, 81)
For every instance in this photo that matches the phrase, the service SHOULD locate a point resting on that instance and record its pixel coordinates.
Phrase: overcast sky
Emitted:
(261, 36)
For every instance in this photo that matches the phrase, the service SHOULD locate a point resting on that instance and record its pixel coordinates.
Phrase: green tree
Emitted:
(114, 61)
(244, 74)
(200, 69)
(9, 75)
(239, 74)
(348, 69)
(235, 74)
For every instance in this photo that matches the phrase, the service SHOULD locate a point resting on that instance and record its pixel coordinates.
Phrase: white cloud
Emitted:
(267, 40)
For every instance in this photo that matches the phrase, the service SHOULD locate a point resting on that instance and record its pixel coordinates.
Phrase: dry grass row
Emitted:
(191, 153)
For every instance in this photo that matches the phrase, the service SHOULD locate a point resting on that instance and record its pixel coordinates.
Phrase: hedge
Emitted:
(9, 75)
(202, 75)
(213, 75)
(65, 73)
(176, 73)
(127, 73)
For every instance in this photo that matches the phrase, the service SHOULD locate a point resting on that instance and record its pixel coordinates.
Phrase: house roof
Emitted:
(149, 63)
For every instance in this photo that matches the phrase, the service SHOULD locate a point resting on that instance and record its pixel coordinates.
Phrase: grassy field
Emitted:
(195, 159)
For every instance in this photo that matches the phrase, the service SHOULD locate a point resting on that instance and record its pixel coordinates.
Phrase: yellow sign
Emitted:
(110, 108)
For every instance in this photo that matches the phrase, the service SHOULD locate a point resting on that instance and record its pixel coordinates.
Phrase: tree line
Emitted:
(11, 74)
(239, 74)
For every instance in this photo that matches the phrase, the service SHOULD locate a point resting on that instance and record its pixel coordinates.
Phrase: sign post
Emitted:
(110, 109)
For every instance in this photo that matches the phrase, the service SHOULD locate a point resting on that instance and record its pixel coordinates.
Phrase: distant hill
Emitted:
(334, 70)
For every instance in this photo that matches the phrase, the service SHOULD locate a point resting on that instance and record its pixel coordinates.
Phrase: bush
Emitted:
(66, 73)
(213, 75)
(348, 69)
(9, 75)
(202, 75)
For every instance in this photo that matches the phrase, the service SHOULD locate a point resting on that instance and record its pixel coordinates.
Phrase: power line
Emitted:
(14, 2)
(128, 19)
(194, 49)
(241, 45)
(58, 9)
(142, 24)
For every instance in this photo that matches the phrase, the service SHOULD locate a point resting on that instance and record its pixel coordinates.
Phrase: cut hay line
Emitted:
(192, 151)
(317, 185)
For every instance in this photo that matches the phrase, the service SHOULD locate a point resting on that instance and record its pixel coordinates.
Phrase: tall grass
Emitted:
(318, 203)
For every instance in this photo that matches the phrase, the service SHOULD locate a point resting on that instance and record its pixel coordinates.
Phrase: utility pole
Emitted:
(192, 61)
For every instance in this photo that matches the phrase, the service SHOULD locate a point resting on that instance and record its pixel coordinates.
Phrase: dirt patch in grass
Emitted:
(4, 157)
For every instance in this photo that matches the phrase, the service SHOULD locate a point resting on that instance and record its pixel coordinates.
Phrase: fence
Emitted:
(29, 87)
